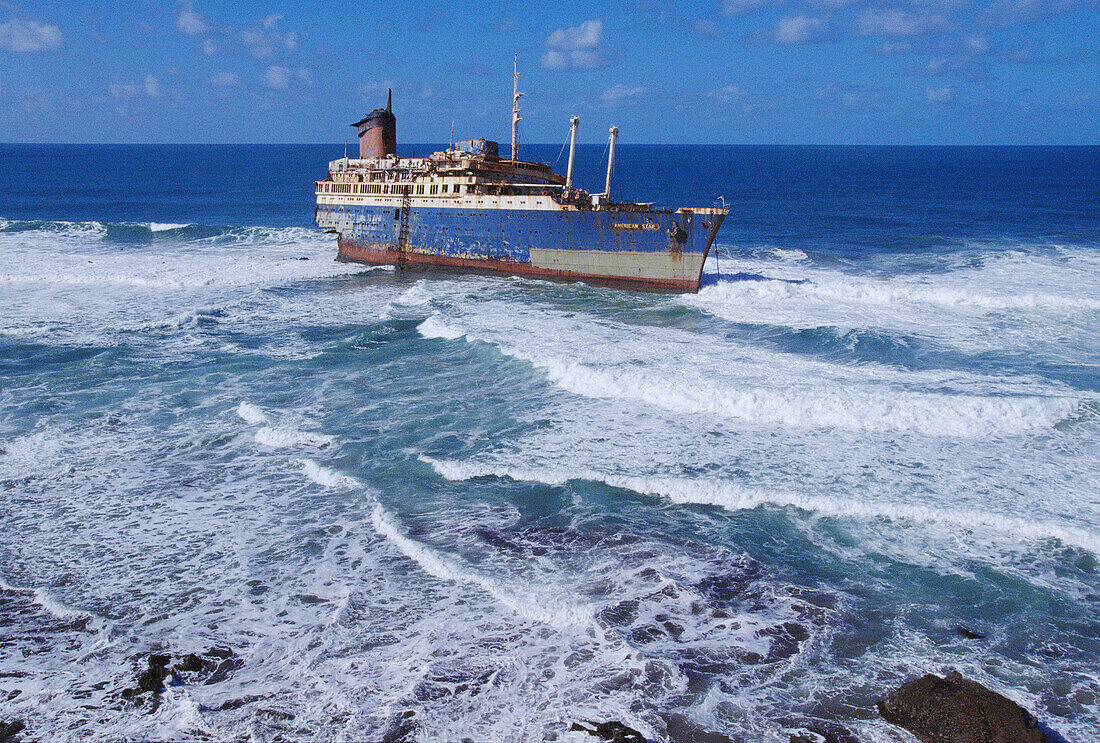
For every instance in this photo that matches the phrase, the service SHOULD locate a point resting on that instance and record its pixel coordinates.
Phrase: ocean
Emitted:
(431, 506)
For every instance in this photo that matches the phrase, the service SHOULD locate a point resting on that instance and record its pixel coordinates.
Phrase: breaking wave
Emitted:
(251, 414)
(326, 477)
(734, 497)
(883, 293)
(528, 604)
(148, 232)
(857, 406)
(283, 437)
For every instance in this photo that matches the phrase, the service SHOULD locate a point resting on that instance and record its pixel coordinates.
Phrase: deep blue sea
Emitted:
(430, 506)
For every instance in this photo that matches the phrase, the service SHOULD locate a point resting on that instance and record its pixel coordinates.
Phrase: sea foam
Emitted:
(327, 477)
(251, 414)
(735, 497)
(526, 602)
(283, 437)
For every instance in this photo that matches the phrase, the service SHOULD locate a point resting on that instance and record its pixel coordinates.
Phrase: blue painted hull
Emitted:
(653, 248)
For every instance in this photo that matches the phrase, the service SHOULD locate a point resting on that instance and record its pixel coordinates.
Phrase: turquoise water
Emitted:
(505, 505)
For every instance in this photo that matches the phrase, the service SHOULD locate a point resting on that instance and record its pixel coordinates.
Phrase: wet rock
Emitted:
(157, 671)
(9, 731)
(224, 669)
(969, 634)
(613, 732)
(402, 727)
(956, 710)
(681, 729)
(238, 703)
(190, 663)
(823, 735)
(215, 665)
(274, 714)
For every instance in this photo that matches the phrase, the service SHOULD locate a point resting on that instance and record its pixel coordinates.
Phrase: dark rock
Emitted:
(274, 714)
(189, 663)
(13, 694)
(238, 703)
(9, 731)
(215, 665)
(823, 735)
(304, 258)
(681, 729)
(613, 732)
(956, 710)
(401, 728)
(969, 634)
(224, 669)
(153, 678)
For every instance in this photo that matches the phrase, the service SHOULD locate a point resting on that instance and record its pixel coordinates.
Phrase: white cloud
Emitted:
(728, 93)
(1011, 12)
(585, 36)
(797, 29)
(280, 78)
(267, 42)
(978, 45)
(263, 39)
(28, 36)
(225, 80)
(897, 22)
(621, 94)
(277, 77)
(552, 59)
(191, 23)
(577, 47)
(149, 86)
(122, 90)
(742, 7)
(938, 95)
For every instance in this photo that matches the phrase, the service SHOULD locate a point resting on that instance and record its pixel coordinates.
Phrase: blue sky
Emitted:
(715, 71)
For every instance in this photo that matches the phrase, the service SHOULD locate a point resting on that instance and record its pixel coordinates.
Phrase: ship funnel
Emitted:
(378, 131)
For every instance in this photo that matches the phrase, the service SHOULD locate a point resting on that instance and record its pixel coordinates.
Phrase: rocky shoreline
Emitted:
(948, 709)
(951, 709)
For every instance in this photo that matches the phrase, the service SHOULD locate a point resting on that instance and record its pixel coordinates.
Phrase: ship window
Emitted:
(444, 188)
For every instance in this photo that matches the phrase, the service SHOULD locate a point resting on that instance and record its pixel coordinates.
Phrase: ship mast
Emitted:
(573, 124)
(515, 108)
(614, 132)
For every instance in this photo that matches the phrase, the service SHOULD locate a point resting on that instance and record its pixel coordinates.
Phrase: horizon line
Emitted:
(554, 144)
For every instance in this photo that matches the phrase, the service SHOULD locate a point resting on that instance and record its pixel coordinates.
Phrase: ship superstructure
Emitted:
(468, 208)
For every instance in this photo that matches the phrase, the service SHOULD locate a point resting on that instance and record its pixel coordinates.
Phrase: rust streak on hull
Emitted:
(383, 254)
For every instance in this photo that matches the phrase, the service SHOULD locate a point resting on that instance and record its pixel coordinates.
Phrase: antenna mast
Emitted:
(515, 108)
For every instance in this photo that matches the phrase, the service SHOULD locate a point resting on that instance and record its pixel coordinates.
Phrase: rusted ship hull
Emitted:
(656, 250)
